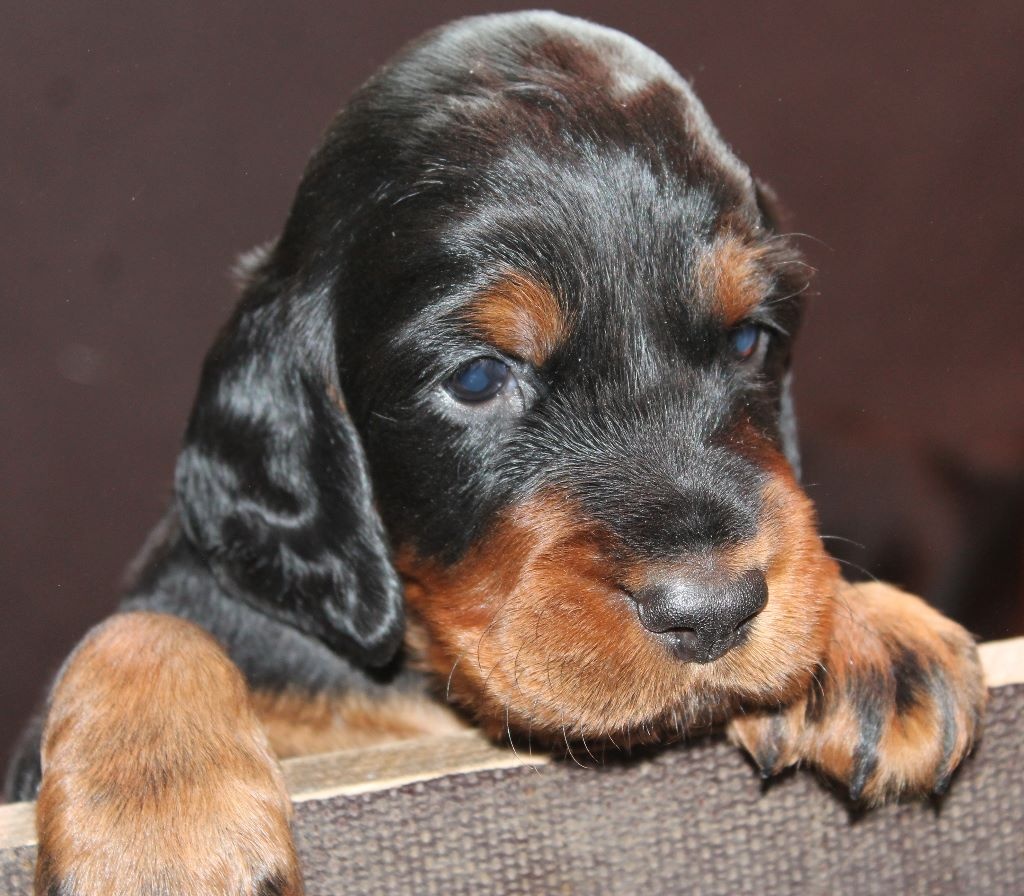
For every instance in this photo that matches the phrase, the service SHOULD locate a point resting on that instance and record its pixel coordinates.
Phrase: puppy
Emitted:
(500, 432)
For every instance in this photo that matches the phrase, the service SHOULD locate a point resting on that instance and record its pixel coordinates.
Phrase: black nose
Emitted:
(701, 621)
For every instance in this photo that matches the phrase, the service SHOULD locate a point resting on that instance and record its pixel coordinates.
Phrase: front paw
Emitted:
(157, 778)
(893, 708)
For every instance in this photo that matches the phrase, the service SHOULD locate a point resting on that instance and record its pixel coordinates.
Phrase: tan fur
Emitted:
(157, 777)
(732, 277)
(520, 317)
(304, 724)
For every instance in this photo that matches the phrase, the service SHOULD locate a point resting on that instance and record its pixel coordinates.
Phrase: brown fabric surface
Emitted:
(16, 867)
(692, 819)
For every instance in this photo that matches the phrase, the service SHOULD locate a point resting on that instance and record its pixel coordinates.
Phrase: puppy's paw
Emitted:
(893, 709)
(157, 778)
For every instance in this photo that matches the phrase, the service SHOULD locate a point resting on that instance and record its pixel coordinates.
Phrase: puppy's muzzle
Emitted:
(700, 621)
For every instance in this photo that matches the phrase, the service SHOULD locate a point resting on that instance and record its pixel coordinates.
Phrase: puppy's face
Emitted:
(568, 376)
(560, 324)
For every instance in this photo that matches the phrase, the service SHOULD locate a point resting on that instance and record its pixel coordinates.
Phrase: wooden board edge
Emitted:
(17, 825)
(1003, 662)
(393, 765)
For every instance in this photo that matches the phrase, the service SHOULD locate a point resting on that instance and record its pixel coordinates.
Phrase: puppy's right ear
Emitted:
(272, 485)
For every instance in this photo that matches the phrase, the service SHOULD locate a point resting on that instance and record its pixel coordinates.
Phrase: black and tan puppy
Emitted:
(502, 415)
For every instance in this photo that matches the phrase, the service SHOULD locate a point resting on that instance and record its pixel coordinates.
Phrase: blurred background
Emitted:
(145, 145)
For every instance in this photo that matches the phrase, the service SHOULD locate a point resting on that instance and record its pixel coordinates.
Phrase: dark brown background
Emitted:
(145, 145)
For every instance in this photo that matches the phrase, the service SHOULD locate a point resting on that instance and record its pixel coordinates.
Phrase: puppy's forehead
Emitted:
(594, 79)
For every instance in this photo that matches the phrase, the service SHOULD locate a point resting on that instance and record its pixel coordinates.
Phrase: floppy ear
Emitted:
(272, 484)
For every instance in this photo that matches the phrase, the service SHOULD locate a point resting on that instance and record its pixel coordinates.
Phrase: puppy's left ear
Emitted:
(272, 484)
(771, 214)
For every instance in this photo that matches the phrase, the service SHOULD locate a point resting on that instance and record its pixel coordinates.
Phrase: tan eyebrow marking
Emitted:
(519, 316)
(732, 278)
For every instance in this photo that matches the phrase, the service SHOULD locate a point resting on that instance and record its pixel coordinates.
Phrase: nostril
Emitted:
(686, 645)
(745, 597)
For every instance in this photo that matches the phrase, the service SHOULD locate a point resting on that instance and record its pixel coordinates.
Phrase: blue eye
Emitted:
(479, 380)
(745, 340)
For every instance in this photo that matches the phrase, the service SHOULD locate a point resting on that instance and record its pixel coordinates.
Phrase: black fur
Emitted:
(272, 488)
(911, 678)
(863, 694)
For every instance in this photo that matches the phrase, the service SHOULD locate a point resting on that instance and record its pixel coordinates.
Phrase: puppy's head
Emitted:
(528, 293)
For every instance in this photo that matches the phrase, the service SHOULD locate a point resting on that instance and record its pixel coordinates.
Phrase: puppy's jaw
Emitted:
(531, 634)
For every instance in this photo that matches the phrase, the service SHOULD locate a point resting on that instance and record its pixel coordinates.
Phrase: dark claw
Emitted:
(942, 785)
(864, 767)
(767, 758)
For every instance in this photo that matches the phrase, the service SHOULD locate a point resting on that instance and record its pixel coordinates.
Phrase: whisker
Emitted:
(585, 746)
(451, 675)
(858, 568)
(511, 740)
(806, 236)
(853, 617)
(817, 681)
(568, 748)
(792, 295)
(842, 538)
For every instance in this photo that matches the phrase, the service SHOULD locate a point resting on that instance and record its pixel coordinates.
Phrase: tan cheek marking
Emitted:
(527, 631)
(304, 724)
(520, 317)
(731, 277)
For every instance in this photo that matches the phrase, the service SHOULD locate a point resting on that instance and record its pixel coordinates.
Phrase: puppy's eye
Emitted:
(479, 380)
(747, 341)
